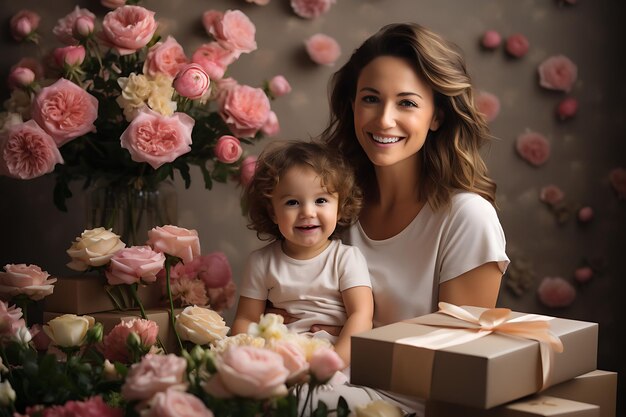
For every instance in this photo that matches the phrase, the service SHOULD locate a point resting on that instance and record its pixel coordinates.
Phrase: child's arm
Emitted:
(249, 311)
(359, 304)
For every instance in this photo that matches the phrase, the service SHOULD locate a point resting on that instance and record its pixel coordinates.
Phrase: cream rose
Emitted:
(378, 408)
(94, 247)
(269, 327)
(68, 330)
(200, 325)
(30, 280)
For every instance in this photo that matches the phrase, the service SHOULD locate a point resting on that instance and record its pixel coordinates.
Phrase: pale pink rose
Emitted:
(189, 291)
(32, 64)
(491, 39)
(488, 104)
(65, 111)
(555, 292)
(228, 149)
(210, 19)
(165, 58)
(567, 108)
(234, 31)
(113, 4)
(279, 86)
(271, 126)
(294, 359)
(172, 403)
(155, 373)
(72, 55)
(29, 280)
(617, 178)
(324, 363)
(583, 274)
(517, 45)
(192, 82)
(222, 298)
(10, 319)
(157, 139)
(310, 9)
(557, 73)
(175, 241)
(64, 29)
(533, 147)
(213, 269)
(323, 49)
(551, 195)
(259, 2)
(23, 24)
(134, 264)
(83, 27)
(252, 372)
(41, 340)
(92, 407)
(585, 214)
(21, 77)
(245, 110)
(247, 170)
(128, 28)
(214, 59)
(27, 151)
(114, 343)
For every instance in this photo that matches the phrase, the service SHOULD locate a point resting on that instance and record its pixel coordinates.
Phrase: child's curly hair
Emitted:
(278, 157)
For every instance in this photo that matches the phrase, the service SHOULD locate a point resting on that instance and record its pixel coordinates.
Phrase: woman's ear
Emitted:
(437, 120)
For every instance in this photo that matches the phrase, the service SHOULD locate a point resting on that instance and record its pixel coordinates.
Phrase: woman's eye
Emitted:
(369, 99)
(291, 203)
(321, 201)
(407, 103)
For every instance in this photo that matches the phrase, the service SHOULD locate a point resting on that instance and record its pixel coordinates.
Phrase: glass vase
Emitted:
(132, 212)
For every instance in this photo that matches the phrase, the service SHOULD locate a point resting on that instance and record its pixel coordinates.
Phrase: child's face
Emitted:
(305, 212)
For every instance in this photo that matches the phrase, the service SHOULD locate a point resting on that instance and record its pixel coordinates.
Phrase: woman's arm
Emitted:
(477, 287)
(359, 304)
(249, 311)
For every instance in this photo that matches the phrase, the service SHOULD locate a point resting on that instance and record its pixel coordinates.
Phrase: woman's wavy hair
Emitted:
(276, 159)
(450, 155)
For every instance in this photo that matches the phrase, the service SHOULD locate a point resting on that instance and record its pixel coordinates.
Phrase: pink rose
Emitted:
(92, 407)
(294, 359)
(324, 363)
(259, 2)
(157, 139)
(65, 111)
(585, 214)
(113, 4)
(488, 104)
(21, 77)
(155, 373)
(192, 82)
(517, 45)
(175, 241)
(557, 73)
(252, 372)
(114, 343)
(228, 149)
(567, 108)
(134, 264)
(248, 167)
(533, 147)
(83, 27)
(210, 18)
(172, 403)
(491, 39)
(551, 195)
(64, 29)
(10, 319)
(165, 58)
(279, 86)
(29, 280)
(27, 152)
(583, 274)
(72, 56)
(233, 30)
(310, 9)
(128, 28)
(245, 110)
(213, 269)
(323, 49)
(222, 298)
(23, 24)
(214, 59)
(617, 177)
(271, 126)
(555, 292)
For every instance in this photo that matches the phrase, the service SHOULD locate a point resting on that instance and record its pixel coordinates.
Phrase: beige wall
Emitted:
(583, 150)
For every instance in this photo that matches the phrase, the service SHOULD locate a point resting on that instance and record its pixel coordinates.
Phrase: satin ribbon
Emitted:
(468, 327)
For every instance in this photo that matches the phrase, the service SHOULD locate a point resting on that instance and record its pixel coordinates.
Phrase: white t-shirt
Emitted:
(308, 289)
(406, 269)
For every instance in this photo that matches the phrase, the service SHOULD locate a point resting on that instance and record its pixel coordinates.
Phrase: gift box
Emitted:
(597, 387)
(534, 406)
(483, 373)
(86, 294)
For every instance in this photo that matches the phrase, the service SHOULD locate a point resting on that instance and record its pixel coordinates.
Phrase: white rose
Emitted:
(379, 408)
(270, 327)
(7, 394)
(94, 247)
(200, 325)
(68, 330)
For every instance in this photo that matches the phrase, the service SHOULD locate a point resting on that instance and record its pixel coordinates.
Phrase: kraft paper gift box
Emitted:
(483, 373)
(86, 294)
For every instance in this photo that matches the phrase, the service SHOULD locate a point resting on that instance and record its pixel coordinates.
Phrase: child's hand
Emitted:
(287, 318)
(333, 330)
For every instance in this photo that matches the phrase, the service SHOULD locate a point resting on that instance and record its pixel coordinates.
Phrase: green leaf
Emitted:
(342, 407)
(206, 174)
(321, 410)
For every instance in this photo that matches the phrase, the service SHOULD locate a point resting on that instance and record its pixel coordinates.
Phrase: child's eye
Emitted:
(291, 202)
(407, 103)
(321, 200)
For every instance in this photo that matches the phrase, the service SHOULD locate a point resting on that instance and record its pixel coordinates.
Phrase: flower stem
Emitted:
(133, 290)
(168, 266)
(114, 299)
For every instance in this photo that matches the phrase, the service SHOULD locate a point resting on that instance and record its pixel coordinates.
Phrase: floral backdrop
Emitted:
(557, 157)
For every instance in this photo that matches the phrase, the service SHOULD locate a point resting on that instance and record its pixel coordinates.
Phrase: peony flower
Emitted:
(155, 373)
(551, 195)
(173, 403)
(271, 126)
(324, 363)
(164, 58)
(222, 298)
(214, 59)
(248, 167)
(517, 45)
(244, 109)
(228, 149)
(241, 339)
(91, 407)
(64, 29)
(72, 56)
(94, 247)
(213, 269)
(310, 9)
(128, 28)
(567, 108)
(200, 325)
(293, 359)
(488, 104)
(68, 330)
(20, 77)
(323, 49)
(269, 327)
(378, 408)
(491, 39)
(617, 178)
(65, 111)
(10, 320)
(23, 24)
(134, 264)
(585, 214)
(29, 280)
(192, 82)
(157, 139)
(583, 274)
(189, 291)
(555, 292)
(114, 343)
(279, 86)
(232, 29)
(533, 147)
(557, 73)
(27, 151)
(175, 241)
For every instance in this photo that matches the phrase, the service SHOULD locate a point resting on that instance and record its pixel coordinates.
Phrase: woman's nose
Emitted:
(386, 117)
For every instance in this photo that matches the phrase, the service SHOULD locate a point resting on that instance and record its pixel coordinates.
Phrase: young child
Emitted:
(301, 197)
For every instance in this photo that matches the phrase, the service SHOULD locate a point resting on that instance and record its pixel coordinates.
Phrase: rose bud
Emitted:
(192, 81)
(491, 39)
(23, 24)
(583, 274)
(21, 77)
(83, 27)
(567, 108)
(279, 86)
(585, 214)
(517, 45)
(72, 56)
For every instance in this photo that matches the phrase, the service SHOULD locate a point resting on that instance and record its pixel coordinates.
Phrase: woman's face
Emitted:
(393, 111)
